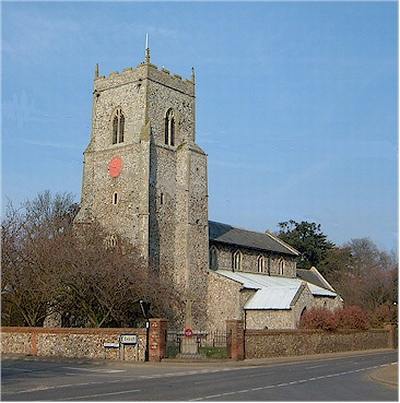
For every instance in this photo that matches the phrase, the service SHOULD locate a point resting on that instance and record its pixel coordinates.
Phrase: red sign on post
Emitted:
(188, 332)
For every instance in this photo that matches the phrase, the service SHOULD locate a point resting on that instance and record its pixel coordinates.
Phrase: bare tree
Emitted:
(362, 274)
(51, 267)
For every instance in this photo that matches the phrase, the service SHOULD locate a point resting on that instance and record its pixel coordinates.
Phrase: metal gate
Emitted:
(213, 344)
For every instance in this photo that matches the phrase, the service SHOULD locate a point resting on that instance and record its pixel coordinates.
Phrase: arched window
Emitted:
(261, 264)
(237, 261)
(111, 241)
(213, 258)
(170, 128)
(118, 127)
(281, 264)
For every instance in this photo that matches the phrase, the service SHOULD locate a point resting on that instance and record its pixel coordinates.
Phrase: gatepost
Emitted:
(235, 331)
(390, 328)
(158, 339)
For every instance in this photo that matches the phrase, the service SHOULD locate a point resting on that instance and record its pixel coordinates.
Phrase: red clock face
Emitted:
(115, 166)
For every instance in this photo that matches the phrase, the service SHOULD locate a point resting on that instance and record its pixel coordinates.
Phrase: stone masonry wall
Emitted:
(223, 301)
(278, 343)
(77, 343)
(269, 319)
(249, 260)
(328, 303)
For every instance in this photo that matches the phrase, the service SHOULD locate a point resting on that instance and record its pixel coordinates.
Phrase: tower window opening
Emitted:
(111, 241)
(170, 128)
(162, 198)
(115, 198)
(118, 127)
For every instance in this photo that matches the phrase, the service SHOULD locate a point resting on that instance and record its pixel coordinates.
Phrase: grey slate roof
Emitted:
(311, 277)
(227, 234)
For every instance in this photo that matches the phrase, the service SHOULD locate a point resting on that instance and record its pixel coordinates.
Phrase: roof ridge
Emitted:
(266, 233)
(236, 227)
(283, 243)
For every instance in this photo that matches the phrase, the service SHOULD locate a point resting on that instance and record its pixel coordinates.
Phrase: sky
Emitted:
(296, 103)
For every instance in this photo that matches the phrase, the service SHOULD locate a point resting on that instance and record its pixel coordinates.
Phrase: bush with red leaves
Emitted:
(318, 318)
(352, 317)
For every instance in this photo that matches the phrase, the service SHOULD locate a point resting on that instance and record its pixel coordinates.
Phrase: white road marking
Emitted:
(316, 366)
(101, 394)
(279, 385)
(68, 385)
(101, 371)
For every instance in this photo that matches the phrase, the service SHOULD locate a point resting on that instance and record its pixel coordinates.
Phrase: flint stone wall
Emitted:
(72, 343)
(278, 343)
(249, 260)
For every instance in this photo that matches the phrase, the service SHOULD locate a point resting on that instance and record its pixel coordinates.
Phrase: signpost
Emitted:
(145, 307)
(111, 345)
(131, 339)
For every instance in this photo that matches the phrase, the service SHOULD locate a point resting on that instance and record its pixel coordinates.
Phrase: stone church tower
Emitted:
(144, 176)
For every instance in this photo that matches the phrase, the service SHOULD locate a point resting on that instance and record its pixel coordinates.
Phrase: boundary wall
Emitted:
(281, 343)
(85, 342)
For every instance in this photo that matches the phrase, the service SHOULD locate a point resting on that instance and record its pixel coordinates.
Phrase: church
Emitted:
(145, 179)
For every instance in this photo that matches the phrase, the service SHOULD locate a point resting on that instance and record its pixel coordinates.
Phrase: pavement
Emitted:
(328, 377)
(387, 375)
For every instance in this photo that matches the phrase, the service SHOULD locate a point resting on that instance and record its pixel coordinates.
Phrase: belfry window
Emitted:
(213, 258)
(118, 127)
(111, 241)
(260, 264)
(237, 261)
(170, 128)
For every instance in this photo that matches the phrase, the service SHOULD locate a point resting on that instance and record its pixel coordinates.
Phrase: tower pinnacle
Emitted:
(96, 71)
(193, 76)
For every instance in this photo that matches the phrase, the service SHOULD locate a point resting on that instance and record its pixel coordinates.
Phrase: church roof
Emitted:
(272, 292)
(225, 233)
(313, 276)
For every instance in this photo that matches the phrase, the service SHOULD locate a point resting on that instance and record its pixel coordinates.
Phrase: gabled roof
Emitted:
(313, 276)
(273, 298)
(227, 234)
(272, 292)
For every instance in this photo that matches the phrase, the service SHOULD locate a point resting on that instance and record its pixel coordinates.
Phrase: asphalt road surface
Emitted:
(322, 379)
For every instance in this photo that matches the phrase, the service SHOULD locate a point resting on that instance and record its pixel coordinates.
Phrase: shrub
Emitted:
(318, 318)
(352, 317)
(383, 314)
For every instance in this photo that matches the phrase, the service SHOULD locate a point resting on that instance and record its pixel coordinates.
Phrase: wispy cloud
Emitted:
(51, 144)
(29, 35)
(21, 110)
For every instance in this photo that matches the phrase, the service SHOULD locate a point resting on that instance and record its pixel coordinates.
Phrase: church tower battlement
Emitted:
(145, 178)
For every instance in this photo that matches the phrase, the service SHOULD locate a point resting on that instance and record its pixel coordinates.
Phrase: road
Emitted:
(322, 379)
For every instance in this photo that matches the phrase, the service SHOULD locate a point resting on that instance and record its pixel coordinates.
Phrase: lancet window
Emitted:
(118, 128)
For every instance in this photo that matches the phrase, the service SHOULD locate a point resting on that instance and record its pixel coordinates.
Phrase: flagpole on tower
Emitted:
(147, 49)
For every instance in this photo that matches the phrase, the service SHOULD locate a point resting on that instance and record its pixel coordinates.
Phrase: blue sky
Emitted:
(296, 103)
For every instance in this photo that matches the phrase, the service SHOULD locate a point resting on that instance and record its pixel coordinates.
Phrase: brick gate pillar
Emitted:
(158, 339)
(391, 335)
(235, 330)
